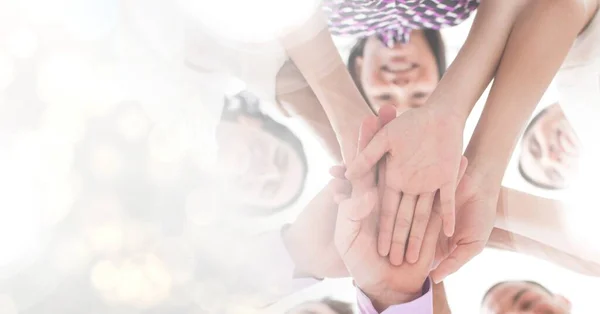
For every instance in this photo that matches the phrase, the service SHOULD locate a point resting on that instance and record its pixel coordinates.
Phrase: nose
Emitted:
(555, 154)
(401, 81)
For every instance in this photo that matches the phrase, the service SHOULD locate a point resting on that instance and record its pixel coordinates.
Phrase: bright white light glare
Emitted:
(133, 124)
(201, 206)
(91, 19)
(41, 12)
(66, 123)
(65, 78)
(105, 275)
(58, 198)
(108, 89)
(106, 238)
(179, 258)
(140, 281)
(22, 43)
(581, 205)
(106, 162)
(163, 173)
(170, 141)
(250, 21)
(71, 255)
(8, 305)
(7, 69)
(104, 225)
(19, 215)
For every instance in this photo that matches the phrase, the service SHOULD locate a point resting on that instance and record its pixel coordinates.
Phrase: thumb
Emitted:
(351, 213)
(367, 159)
(368, 128)
(464, 162)
(462, 254)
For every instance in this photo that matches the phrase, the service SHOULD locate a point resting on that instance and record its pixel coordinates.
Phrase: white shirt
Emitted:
(578, 84)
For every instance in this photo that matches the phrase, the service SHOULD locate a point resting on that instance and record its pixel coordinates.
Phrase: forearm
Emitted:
(540, 227)
(538, 43)
(440, 300)
(476, 63)
(320, 63)
(298, 100)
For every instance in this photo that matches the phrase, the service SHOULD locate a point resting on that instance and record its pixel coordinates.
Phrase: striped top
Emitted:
(393, 20)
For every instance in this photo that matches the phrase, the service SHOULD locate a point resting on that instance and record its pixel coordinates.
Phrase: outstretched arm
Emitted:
(297, 100)
(312, 49)
(539, 41)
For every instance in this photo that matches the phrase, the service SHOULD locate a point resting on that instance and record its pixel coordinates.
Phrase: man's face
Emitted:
(261, 170)
(312, 308)
(522, 297)
(550, 150)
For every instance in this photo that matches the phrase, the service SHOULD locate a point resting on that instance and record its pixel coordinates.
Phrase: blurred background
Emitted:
(111, 197)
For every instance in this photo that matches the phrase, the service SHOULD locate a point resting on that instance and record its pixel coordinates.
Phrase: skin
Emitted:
(524, 297)
(263, 170)
(403, 76)
(550, 150)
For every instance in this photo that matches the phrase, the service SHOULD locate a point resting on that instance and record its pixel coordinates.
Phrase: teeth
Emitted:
(402, 67)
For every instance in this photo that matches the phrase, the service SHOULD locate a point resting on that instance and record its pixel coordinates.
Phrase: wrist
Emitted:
(294, 245)
(381, 300)
(456, 112)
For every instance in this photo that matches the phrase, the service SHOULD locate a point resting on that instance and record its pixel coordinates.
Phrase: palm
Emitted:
(380, 275)
(424, 151)
(476, 210)
(311, 235)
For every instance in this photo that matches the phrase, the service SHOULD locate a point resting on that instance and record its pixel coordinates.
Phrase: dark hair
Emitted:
(247, 105)
(494, 287)
(522, 171)
(338, 307)
(434, 39)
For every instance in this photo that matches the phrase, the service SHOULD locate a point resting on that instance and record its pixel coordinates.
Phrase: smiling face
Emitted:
(550, 150)
(403, 76)
(261, 169)
(523, 297)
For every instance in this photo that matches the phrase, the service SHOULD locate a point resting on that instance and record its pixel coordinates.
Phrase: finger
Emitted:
(404, 220)
(387, 113)
(464, 162)
(340, 186)
(430, 241)
(447, 194)
(366, 160)
(339, 198)
(367, 130)
(419, 226)
(338, 171)
(347, 226)
(387, 217)
(459, 257)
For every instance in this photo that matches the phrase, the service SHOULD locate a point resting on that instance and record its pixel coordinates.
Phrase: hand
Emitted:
(475, 215)
(309, 239)
(424, 148)
(356, 239)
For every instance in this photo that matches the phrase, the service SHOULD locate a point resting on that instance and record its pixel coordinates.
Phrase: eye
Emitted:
(384, 97)
(270, 188)
(526, 305)
(420, 95)
(534, 148)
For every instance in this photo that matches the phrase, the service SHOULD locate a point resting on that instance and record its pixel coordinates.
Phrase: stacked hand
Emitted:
(397, 218)
(422, 149)
(356, 240)
(404, 218)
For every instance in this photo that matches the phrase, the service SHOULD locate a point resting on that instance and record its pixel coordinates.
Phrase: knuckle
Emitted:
(420, 219)
(403, 223)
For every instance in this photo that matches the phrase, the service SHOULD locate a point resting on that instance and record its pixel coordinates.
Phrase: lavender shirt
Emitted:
(393, 20)
(276, 270)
